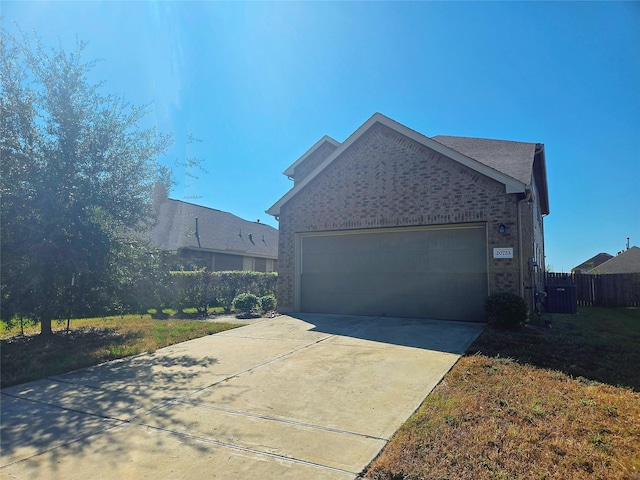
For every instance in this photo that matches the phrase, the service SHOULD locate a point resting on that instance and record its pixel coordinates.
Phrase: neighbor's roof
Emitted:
(510, 163)
(218, 231)
(593, 262)
(626, 262)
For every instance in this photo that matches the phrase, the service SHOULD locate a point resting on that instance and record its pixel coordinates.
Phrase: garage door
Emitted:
(438, 273)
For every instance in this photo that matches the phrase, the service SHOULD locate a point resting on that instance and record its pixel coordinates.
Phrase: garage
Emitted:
(421, 272)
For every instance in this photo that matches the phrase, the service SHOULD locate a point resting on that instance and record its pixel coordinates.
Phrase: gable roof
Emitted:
(218, 231)
(326, 139)
(592, 262)
(626, 262)
(513, 179)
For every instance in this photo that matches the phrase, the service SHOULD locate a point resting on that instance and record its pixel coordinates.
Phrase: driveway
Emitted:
(311, 396)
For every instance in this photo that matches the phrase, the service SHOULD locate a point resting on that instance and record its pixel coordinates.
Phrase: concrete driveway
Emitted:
(311, 396)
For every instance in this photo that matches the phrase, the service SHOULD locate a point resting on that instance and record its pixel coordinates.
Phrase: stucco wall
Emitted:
(386, 180)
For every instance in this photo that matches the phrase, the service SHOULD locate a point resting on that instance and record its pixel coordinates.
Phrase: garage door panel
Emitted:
(432, 273)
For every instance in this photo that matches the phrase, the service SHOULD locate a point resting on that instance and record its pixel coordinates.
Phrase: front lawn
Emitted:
(90, 342)
(532, 403)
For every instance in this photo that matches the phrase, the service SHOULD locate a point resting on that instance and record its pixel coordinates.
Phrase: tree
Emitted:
(77, 171)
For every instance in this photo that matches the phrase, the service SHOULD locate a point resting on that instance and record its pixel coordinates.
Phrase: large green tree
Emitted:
(77, 170)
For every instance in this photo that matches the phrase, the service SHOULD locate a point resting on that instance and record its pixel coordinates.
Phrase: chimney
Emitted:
(159, 194)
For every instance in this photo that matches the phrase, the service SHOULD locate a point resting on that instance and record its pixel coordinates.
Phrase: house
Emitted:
(206, 237)
(592, 263)
(627, 261)
(394, 223)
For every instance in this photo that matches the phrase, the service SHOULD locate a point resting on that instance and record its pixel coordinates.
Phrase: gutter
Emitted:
(526, 198)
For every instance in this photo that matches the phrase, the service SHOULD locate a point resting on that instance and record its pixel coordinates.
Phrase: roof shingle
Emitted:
(218, 230)
(511, 158)
(627, 262)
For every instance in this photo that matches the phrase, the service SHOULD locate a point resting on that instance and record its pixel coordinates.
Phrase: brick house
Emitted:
(216, 240)
(393, 223)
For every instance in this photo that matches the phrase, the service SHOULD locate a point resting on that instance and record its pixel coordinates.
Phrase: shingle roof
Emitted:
(218, 230)
(512, 158)
(626, 262)
(592, 262)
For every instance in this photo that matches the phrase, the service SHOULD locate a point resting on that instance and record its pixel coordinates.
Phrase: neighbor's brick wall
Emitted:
(388, 180)
(312, 161)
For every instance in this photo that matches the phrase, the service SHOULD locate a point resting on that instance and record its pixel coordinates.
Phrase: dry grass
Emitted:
(90, 342)
(497, 416)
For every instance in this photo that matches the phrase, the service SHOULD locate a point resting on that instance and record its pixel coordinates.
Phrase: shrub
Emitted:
(231, 284)
(202, 289)
(245, 303)
(505, 309)
(195, 289)
(268, 303)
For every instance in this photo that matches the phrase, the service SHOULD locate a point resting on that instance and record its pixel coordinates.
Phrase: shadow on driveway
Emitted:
(438, 335)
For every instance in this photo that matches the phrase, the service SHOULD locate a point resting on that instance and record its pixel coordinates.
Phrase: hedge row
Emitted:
(203, 290)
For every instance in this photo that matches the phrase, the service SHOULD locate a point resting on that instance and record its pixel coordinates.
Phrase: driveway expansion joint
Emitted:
(279, 419)
(249, 450)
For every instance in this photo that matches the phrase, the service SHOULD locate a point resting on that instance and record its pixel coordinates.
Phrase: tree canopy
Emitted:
(77, 174)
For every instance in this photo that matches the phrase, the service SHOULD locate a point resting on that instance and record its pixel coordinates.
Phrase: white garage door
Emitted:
(438, 273)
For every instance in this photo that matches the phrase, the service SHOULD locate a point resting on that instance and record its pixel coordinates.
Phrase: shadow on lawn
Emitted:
(597, 344)
(29, 357)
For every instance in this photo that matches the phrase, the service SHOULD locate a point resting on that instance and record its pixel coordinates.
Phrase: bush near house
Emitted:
(268, 303)
(246, 303)
(505, 310)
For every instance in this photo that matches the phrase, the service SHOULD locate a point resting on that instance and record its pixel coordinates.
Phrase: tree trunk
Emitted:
(45, 326)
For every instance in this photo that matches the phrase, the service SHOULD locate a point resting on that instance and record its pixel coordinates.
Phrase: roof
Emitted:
(218, 231)
(592, 262)
(513, 158)
(513, 164)
(626, 262)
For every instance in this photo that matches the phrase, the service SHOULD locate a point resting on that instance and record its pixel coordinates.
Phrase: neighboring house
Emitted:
(592, 263)
(625, 262)
(394, 223)
(206, 237)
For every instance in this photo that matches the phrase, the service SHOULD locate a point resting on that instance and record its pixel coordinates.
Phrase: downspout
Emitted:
(526, 198)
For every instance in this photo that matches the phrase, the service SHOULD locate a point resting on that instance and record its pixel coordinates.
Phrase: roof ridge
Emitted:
(484, 138)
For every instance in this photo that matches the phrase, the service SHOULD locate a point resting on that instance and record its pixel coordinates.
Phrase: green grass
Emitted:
(90, 342)
(531, 403)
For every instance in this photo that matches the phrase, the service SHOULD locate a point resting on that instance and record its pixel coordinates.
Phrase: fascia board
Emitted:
(289, 171)
(512, 185)
(229, 252)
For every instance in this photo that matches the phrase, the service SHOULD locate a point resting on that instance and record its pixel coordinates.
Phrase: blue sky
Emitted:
(259, 83)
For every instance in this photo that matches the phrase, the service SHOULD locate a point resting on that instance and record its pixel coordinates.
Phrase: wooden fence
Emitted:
(611, 290)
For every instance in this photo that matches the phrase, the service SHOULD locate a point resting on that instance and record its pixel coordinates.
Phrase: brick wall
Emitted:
(312, 161)
(386, 180)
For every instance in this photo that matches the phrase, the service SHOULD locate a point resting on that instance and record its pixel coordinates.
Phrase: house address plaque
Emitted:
(503, 252)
